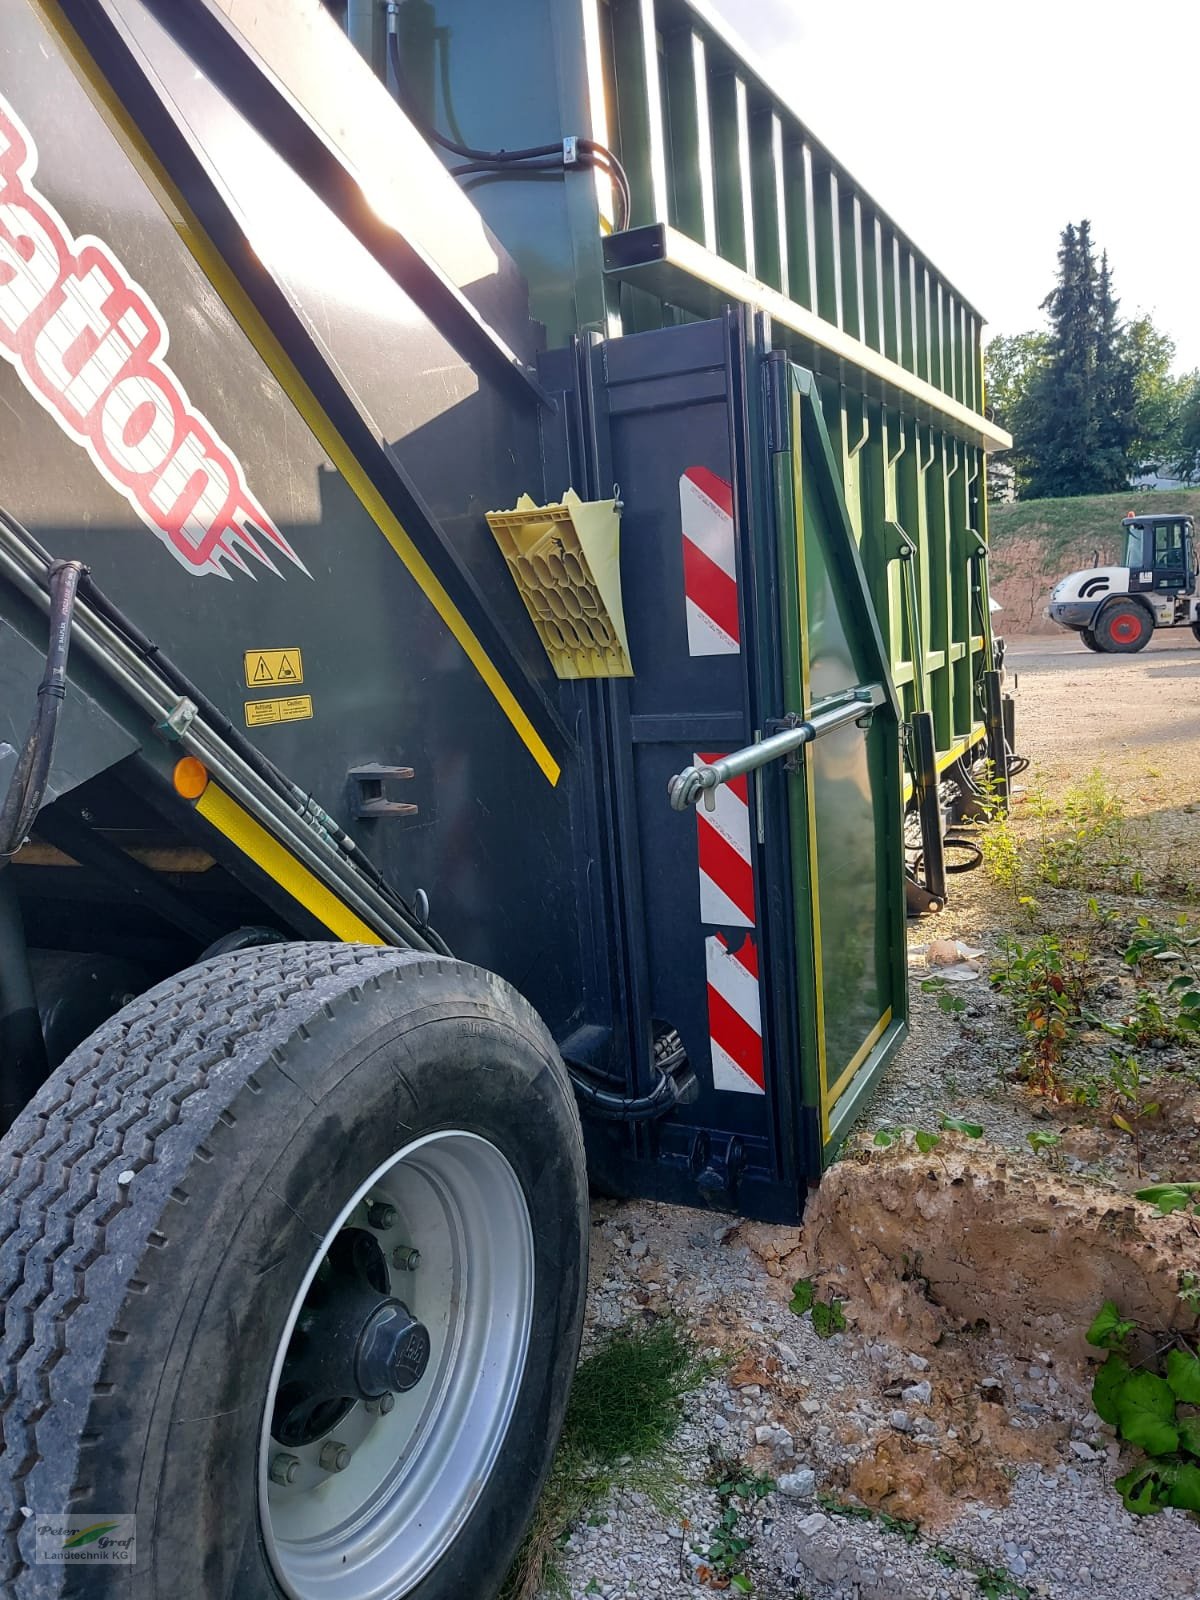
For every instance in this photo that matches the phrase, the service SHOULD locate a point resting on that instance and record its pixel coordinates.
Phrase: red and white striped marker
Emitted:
(723, 838)
(734, 1016)
(727, 900)
(709, 564)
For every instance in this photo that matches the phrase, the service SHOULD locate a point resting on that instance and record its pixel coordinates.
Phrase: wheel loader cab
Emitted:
(1160, 553)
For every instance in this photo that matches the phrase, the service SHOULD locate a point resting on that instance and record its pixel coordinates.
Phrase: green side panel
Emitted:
(845, 805)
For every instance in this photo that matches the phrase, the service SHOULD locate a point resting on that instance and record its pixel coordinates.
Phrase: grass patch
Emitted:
(625, 1407)
(1077, 525)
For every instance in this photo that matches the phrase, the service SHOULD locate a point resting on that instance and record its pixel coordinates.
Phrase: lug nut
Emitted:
(382, 1405)
(405, 1258)
(334, 1457)
(381, 1216)
(284, 1468)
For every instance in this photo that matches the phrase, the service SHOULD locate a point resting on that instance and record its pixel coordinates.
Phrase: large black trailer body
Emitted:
(264, 374)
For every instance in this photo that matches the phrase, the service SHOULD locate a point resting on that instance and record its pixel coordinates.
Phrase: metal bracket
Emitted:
(370, 802)
(178, 720)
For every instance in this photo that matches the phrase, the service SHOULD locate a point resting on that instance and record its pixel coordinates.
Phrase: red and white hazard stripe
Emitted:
(709, 564)
(723, 837)
(727, 900)
(734, 1015)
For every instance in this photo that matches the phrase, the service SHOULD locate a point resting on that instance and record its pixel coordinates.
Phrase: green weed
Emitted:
(1152, 1410)
(625, 1407)
(728, 1540)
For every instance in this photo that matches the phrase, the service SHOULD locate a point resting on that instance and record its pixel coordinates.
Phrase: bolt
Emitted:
(284, 1468)
(334, 1457)
(381, 1216)
(405, 1258)
(383, 1404)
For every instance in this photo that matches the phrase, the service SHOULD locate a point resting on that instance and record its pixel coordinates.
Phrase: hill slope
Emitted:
(1036, 542)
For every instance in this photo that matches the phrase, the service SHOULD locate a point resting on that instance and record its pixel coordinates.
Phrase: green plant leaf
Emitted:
(828, 1319)
(1184, 1491)
(973, 1130)
(1110, 1330)
(803, 1295)
(884, 1138)
(1168, 1197)
(1189, 1435)
(1107, 1386)
(1183, 1376)
(741, 1583)
(1137, 1490)
(1146, 1413)
(1041, 1139)
(925, 1141)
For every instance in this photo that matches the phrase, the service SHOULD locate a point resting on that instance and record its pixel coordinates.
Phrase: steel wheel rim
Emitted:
(373, 1530)
(1125, 628)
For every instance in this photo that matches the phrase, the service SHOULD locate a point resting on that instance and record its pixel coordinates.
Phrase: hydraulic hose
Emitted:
(534, 158)
(216, 719)
(27, 789)
(676, 1086)
(614, 1107)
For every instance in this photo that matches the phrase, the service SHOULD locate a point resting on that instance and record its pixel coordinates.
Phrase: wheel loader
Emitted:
(1115, 609)
(492, 547)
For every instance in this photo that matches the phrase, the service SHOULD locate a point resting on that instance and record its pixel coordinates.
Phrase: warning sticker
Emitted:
(297, 708)
(267, 667)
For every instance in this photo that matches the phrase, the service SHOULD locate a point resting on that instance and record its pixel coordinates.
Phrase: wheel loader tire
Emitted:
(1089, 639)
(1123, 628)
(212, 1211)
(1196, 631)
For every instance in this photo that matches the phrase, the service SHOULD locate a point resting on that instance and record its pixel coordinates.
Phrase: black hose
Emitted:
(265, 769)
(534, 158)
(27, 789)
(676, 1086)
(254, 758)
(613, 1107)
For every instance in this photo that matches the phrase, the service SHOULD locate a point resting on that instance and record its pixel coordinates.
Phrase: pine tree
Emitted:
(1059, 443)
(1115, 409)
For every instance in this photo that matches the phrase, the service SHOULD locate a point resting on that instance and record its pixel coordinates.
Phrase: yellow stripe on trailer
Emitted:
(955, 753)
(252, 839)
(244, 312)
(834, 1093)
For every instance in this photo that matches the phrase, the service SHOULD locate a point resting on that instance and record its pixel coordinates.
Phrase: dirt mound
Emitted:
(921, 1246)
(1022, 573)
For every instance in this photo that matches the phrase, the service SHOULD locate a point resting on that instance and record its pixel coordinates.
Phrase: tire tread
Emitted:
(144, 1075)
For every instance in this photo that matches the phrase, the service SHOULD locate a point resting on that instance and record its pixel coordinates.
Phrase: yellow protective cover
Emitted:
(565, 561)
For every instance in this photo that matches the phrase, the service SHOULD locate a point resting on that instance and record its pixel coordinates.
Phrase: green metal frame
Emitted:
(735, 201)
(804, 460)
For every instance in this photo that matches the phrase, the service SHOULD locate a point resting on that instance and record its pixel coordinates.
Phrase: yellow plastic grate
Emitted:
(565, 562)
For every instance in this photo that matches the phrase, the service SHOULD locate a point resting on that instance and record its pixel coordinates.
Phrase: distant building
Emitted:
(1155, 480)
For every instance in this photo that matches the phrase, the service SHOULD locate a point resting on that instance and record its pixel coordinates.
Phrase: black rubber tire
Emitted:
(1089, 639)
(1111, 628)
(1196, 631)
(249, 1096)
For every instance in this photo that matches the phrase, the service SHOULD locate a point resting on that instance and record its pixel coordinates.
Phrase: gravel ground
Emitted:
(1030, 1504)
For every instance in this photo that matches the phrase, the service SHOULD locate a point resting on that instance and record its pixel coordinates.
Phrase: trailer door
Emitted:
(843, 800)
(763, 926)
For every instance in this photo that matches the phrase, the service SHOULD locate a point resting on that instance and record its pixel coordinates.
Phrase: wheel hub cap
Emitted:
(397, 1371)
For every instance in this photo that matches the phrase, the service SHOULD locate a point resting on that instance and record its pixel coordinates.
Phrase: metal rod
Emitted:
(145, 688)
(687, 786)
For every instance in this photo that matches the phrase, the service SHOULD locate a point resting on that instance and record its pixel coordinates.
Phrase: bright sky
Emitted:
(984, 129)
